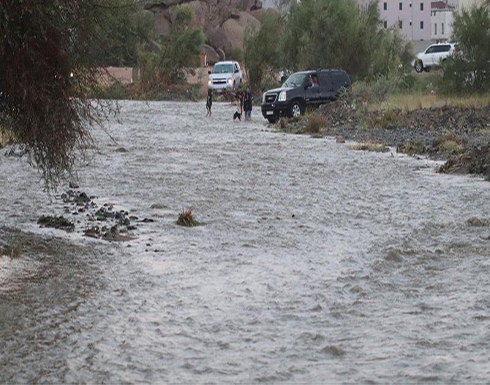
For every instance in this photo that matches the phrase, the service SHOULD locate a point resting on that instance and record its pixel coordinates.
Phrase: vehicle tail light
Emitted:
(454, 50)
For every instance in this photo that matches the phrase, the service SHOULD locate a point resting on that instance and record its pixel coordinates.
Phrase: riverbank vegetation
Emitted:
(324, 34)
(49, 56)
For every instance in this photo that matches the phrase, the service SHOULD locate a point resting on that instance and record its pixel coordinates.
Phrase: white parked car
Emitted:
(434, 55)
(226, 75)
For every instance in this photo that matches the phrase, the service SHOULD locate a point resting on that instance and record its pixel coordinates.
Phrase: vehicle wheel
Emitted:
(427, 69)
(272, 119)
(296, 110)
(419, 67)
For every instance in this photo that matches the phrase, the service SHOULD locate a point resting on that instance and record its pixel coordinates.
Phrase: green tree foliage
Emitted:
(340, 34)
(470, 69)
(262, 52)
(326, 34)
(181, 48)
(120, 27)
(49, 53)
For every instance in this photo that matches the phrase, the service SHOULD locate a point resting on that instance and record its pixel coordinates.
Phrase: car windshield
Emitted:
(295, 80)
(223, 69)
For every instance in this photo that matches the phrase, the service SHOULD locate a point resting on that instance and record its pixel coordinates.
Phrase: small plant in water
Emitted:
(186, 218)
(14, 249)
(375, 147)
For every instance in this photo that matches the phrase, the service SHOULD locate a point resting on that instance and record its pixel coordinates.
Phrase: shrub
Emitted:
(315, 123)
(261, 50)
(470, 70)
(374, 147)
(186, 218)
(181, 48)
(237, 54)
(14, 248)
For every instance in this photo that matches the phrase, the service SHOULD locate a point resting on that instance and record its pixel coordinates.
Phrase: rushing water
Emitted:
(314, 263)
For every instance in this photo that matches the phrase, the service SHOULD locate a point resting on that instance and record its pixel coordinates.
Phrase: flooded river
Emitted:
(314, 263)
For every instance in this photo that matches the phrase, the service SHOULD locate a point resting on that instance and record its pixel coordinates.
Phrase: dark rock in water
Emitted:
(121, 149)
(148, 220)
(158, 206)
(92, 232)
(56, 222)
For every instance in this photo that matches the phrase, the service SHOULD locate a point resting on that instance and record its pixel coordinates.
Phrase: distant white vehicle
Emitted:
(226, 75)
(434, 55)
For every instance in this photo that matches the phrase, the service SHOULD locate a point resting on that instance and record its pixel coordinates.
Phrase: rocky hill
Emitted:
(223, 22)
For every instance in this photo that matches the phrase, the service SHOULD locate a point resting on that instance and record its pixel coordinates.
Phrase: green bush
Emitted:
(376, 90)
(261, 50)
(237, 54)
(180, 50)
(470, 70)
(341, 34)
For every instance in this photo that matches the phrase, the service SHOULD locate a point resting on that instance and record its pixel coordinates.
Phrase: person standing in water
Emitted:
(247, 104)
(209, 103)
(239, 106)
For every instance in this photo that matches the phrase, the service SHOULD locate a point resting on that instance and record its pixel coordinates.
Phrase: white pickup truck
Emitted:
(226, 75)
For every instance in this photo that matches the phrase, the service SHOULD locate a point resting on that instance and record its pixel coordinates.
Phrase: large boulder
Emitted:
(211, 55)
(221, 53)
(163, 26)
(246, 18)
(234, 29)
(218, 38)
(223, 21)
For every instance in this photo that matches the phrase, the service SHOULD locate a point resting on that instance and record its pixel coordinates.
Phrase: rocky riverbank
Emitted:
(459, 135)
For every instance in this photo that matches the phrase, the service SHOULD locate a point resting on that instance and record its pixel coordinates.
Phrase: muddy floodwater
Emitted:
(313, 263)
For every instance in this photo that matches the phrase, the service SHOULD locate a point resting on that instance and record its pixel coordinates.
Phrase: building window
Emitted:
(421, 25)
(385, 6)
(400, 24)
(400, 6)
(435, 29)
(442, 28)
(421, 6)
(385, 24)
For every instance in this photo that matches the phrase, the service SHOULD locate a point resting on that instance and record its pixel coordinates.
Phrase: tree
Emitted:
(341, 34)
(262, 52)
(119, 32)
(48, 70)
(181, 48)
(470, 69)
(326, 34)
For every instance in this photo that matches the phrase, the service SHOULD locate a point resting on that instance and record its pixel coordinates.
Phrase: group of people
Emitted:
(244, 102)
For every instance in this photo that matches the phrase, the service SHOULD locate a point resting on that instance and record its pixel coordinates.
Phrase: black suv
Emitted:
(302, 89)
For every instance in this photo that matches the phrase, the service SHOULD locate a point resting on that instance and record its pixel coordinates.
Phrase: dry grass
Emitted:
(315, 123)
(478, 222)
(6, 138)
(448, 144)
(409, 102)
(14, 249)
(386, 119)
(186, 218)
(451, 146)
(374, 147)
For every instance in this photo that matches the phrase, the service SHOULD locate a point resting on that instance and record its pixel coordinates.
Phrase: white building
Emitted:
(441, 20)
(412, 17)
